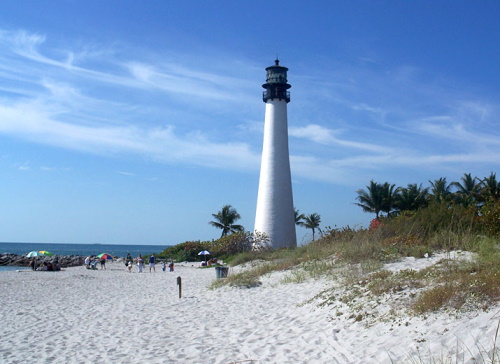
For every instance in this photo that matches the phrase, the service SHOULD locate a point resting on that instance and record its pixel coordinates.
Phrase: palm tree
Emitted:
(490, 187)
(412, 197)
(312, 222)
(378, 198)
(225, 220)
(389, 197)
(298, 218)
(468, 191)
(440, 190)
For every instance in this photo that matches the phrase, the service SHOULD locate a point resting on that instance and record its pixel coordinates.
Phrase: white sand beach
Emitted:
(112, 316)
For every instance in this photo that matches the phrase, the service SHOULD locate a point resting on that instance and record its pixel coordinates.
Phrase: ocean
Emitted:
(78, 249)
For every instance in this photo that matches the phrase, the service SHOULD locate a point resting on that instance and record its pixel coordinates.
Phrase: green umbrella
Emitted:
(33, 254)
(46, 253)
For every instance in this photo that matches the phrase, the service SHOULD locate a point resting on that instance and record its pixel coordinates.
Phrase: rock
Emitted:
(23, 260)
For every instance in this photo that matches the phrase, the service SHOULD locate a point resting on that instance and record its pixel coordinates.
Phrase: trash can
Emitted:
(221, 272)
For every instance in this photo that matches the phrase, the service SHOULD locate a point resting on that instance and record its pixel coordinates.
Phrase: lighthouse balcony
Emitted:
(276, 94)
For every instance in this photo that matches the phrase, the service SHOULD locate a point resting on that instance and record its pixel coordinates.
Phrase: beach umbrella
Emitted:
(33, 254)
(105, 256)
(46, 253)
(205, 253)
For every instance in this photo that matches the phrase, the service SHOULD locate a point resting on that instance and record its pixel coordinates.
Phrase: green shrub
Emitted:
(187, 251)
(222, 248)
(232, 244)
(490, 218)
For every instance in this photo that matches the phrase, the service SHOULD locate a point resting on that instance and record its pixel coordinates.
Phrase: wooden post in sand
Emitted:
(179, 283)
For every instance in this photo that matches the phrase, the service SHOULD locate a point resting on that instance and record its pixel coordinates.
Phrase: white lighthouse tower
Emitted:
(275, 215)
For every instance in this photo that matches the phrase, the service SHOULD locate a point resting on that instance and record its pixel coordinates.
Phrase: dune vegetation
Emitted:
(357, 256)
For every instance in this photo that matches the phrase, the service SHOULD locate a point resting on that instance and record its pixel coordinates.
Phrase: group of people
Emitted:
(170, 266)
(45, 266)
(209, 263)
(129, 262)
(91, 262)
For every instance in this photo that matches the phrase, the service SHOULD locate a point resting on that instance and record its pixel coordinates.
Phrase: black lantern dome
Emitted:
(276, 83)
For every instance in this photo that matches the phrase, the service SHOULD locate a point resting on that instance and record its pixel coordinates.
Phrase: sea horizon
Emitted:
(40, 242)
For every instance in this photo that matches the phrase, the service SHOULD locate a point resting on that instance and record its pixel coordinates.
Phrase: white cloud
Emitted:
(173, 83)
(47, 169)
(322, 135)
(24, 44)
(126, 173)
(447, 127)
(31, 121)
(24, 167)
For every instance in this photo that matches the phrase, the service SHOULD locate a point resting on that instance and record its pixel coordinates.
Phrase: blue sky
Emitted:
(131, 122)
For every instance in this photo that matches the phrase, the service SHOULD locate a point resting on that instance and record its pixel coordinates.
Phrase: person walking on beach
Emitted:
(128, 259)
(140, 263)
(171, 266)
(33, 264)
(103, 263)
(87, 262)
(152, 261)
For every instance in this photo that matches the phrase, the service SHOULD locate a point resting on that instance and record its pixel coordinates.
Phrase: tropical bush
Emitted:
(223, 248)
(187, 251)
(490, 217)
(232, 244)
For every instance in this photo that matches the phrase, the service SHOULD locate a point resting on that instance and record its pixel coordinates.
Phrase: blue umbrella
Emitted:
(205, 253)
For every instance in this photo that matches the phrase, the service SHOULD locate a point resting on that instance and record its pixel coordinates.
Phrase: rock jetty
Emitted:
(22, 260)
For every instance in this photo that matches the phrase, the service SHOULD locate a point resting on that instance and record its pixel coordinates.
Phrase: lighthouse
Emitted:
(275, 215)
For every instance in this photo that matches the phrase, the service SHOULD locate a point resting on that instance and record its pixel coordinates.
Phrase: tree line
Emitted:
(386, 198)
